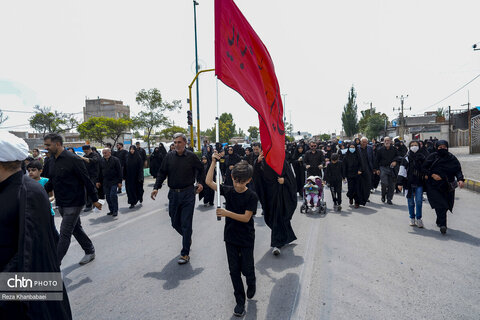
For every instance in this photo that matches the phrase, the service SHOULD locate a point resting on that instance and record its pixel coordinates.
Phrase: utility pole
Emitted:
(450, 125)
(401, 116)
(469, 119)
(284, 112)
(195, 4)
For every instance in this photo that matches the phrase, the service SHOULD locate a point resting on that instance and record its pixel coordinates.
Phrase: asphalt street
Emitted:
(365, 263)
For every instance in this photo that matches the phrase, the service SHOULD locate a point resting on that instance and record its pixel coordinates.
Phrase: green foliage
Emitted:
(441, 112)
(101, 129)
(349, 114)
(376, 124)
(168, 132)
(289, 139)
(199, 154)
(153, 114)
(253, 132)
(324, 137)
(46, 121)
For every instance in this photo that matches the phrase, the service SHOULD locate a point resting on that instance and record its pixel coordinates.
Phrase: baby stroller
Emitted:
(321, 205)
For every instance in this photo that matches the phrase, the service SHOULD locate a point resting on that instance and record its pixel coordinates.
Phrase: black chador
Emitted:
(280, 204)
(134, 177)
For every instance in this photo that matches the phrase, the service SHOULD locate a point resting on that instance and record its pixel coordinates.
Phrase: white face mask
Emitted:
(344, 151)
(414, 149)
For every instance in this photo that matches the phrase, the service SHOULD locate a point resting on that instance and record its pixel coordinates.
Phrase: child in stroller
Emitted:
(313, 195)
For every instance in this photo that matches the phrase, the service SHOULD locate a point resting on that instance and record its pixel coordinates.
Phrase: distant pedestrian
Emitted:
(334, 175)
(386, 161)
(134, 177)
(110, 178)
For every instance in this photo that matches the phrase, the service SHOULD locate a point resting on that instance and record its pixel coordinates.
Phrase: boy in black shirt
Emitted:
(334, 176)
(239, 234)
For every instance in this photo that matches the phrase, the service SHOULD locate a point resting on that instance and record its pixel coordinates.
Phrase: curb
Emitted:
(472, 185)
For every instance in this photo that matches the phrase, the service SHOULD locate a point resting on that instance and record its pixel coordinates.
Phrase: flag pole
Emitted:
(217, 136)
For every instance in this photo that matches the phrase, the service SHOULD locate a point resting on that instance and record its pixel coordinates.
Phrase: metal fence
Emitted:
(475, 127)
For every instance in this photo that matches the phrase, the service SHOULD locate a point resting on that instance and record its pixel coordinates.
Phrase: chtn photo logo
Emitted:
(17, 282)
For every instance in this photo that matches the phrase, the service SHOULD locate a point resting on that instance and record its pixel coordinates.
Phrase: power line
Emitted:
(17, 111)
(466, 84)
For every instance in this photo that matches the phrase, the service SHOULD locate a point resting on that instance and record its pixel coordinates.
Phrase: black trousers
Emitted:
(240, 261)
(441, 216)
(180, 208)
(336, 190)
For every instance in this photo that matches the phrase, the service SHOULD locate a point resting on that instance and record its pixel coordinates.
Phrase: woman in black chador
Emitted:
(299, 168)
(280, 204)
(231, 159)
(134, 177)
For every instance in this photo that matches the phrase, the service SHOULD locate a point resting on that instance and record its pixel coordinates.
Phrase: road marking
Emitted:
(300, 303)
(101, 233)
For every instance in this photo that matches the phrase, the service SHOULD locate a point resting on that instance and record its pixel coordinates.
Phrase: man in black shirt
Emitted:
(386, 161)
(68, 178)
(110, 177)
(314, 160)
(142, 152)
(182, 167)
(92, 160)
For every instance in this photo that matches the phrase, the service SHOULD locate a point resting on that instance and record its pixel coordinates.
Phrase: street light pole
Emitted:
(195, 4)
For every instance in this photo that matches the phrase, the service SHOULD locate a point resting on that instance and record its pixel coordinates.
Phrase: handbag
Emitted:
(452, 185)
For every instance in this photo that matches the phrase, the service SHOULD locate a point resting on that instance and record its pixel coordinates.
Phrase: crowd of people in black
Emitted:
(77, 183)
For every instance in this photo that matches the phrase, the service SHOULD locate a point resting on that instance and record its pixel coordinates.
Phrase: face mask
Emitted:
(414, 149)
(442, 152)
(352, 150)
(344, 151)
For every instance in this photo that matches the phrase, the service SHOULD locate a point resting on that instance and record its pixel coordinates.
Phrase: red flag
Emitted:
(243, 63)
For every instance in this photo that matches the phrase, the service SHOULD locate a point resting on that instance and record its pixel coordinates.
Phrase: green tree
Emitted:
(253, 132)
(169, 131)
(324, 137)
(363, 122)
(227, 129)
(349, 114)
(47, 121)
(153, 114)
(3, 117)
(101, 129)
(376, 124)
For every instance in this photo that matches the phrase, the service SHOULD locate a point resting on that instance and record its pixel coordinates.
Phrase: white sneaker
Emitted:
(412, 223)
(419, 223)
(276, 251)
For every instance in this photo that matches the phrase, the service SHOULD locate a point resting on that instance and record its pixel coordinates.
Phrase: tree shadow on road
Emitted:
(173, 274)
(452, 235)
(286, 260)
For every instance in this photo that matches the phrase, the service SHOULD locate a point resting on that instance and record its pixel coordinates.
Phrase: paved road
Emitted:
(359, 264)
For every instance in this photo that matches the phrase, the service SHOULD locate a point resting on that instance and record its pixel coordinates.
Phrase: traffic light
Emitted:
(189, 118)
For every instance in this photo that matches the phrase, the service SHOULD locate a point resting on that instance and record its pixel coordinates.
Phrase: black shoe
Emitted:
(141, 200)
(251, 291)
(110, 213)
(351, 201)
(383, 198)
(443, 229)
(114, 214)
(131, 206)
(389, 202)
(239, 311)
(88, 209)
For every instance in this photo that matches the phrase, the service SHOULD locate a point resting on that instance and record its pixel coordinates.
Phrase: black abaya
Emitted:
(134, 178)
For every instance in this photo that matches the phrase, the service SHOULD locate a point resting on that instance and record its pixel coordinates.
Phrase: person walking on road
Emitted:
(386, 161)
(239, 234)
(92, 161)
(182, 167)
(314, 161)
(134, 177)
(69, 179)
(411, 179)
(110, 178)
(443, 173)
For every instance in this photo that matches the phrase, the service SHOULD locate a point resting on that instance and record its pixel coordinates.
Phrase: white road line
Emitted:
(300, 303)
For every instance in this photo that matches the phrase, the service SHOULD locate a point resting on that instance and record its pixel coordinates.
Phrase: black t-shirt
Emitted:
(239, 233)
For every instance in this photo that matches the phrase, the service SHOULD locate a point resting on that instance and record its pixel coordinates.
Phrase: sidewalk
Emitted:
(470, 167)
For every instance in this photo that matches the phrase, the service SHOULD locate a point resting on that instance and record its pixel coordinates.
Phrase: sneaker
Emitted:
(88, 209)
(389, 202)
(239, 311)
(114, 214)
(251, 291)
(131, 206)
(183, 259)
(443, 229)
(276, 251)
(110, 213)
(87, 258)
(339, 208)
(412, 223)
(419, 223)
